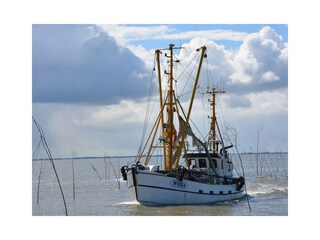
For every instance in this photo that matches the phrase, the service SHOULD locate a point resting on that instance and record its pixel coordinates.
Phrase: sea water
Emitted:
(94, 187)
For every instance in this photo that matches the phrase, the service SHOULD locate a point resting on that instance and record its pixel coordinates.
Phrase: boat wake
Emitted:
(128, 203)
(267, 189)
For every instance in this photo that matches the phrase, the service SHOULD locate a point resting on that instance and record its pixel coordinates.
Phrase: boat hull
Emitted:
(155, 188)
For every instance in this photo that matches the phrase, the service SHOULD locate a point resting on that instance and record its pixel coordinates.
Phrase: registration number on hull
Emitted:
(178, 184)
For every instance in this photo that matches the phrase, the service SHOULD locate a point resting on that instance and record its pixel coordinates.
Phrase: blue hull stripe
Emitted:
(178, 190)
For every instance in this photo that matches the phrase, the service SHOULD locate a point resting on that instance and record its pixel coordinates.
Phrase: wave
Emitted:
(128, 203)
(267, 189)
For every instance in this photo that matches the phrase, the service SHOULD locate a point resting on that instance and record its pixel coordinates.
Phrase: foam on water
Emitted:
(267, 189)
(128, 203)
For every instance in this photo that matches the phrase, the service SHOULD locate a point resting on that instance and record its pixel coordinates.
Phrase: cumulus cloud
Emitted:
(79, 63)
(261, 62)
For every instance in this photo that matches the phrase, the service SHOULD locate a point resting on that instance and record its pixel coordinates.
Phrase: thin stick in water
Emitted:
(96, 171)
(118, 180)
(73, 182)
(46, 148)
(34, 155)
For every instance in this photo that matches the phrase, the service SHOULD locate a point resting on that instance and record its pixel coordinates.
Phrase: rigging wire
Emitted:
(207, 73)
(190, 74)
(149, 109)
(147, 113)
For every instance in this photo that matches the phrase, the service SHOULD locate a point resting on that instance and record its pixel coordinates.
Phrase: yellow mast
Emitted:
(168, 130)
(161, 102)
(214, 122)
(170, 109)
(203, 55)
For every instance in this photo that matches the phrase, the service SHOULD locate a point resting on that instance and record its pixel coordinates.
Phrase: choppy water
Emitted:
(98, 193)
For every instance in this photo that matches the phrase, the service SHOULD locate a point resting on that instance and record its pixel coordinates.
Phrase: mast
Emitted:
(171, 149)
(170, 107)
(161, 102)
(203, 55)
(168, 136)
(214, 122)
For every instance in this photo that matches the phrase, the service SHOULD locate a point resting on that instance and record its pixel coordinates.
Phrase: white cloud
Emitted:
(260, 63)
(261, 104)
(270, 76)
(117, 114)
(127, 33)
(208, 34)
(86, 128)
(284, 53)
(142, 53)
(124, 34)
(261, 57)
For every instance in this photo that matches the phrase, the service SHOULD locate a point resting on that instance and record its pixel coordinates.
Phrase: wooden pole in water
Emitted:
(257, 157)
(46, 148)
(257, 160)
(115, 173)
(96, 171)
(105, 166)
(73, 182)
(34, 155)
(39, 179)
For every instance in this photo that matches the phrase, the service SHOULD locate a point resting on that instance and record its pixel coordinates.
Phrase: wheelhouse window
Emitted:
(192, 163)
(202, 163)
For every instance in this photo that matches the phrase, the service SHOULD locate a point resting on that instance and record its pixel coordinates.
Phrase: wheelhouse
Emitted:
(221, 166)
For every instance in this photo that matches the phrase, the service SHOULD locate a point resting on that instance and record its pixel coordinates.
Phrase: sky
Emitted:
(90, 82)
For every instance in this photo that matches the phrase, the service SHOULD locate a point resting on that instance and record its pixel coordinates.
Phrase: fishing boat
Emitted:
(202, 175)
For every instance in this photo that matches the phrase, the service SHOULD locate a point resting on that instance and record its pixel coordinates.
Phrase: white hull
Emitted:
(148, 187)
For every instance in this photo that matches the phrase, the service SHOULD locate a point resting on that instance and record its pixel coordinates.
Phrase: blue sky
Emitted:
(281, 29)
(90, 82)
